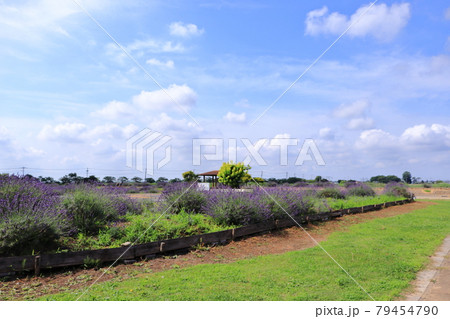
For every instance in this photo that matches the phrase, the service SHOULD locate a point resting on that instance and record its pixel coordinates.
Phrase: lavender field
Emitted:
(37, 217)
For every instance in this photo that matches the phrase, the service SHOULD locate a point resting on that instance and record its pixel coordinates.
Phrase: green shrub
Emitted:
(89, 212)
(359, 189)
(167, 227)
(182, 196)
(331, 192)
(30, 220)
(23, 235)
(398, 190)
(91, 208)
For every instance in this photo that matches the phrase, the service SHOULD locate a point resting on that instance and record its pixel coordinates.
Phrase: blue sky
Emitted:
(376, 103)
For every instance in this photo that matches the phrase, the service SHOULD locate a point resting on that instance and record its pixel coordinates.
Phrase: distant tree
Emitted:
(175, 180)
(393, 178)
(71, 178)
(122, 179)
(150, 180)
(162, 180)
(318, 179)
(232, 174)
(293, 180)
(137, 179)
(109, 179)
(385, 179)
(258, 180)
(91, 179)
(189, 176)
(47, 180)
(407, 177)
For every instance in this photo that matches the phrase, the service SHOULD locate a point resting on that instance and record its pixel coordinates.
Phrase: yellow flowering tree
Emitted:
(233, 174)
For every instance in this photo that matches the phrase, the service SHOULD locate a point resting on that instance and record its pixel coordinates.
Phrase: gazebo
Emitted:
(212, 174)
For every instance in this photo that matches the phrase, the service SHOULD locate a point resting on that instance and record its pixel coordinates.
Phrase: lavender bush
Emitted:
(30, 217)
(91, 207)
(230, 207)
(181, 195)
(331, 192)
(287, 200)
(359, 189)
(397, 189)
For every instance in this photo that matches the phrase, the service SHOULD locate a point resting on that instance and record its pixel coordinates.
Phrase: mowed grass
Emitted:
(383, 255)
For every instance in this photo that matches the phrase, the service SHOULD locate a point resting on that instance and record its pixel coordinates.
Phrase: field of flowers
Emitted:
(37, 217)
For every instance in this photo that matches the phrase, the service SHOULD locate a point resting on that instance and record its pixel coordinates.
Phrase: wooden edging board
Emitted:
(49, 261)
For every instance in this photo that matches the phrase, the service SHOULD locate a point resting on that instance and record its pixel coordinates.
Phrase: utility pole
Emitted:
(23, 171)
(87, 172)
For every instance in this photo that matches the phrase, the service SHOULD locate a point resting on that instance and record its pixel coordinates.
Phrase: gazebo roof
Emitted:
(210, 173)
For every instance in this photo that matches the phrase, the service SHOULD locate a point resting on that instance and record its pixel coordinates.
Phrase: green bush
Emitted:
(398, 190)
(167, 227)
(330, 192)
(359, 189)
(30, 220)
(233, 175)
(182, 196)
(23, 235)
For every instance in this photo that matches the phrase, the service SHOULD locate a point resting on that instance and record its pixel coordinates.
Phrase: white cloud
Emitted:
(356, 112)
(150, 45)
(355, 109)
(34, 152)
(4, 134)
(436, 135)
(114, 110)
(419, 137)
(72, 132)
(360, 123)
(143, 105)
(376, 139)
(282, 136)
(326, 133)
(168, 64)
(447, 14)
(139, 48)
(67, 132)
(31, 21)
(184, 30)
(234, 117)
(165, 123)
(380, 21)
(244, 103)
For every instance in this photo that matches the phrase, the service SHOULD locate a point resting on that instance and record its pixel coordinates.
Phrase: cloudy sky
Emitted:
(80, 78)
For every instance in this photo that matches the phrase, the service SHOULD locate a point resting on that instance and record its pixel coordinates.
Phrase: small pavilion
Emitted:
(213, 175)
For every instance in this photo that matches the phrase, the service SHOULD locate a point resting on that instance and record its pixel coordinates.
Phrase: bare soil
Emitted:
(431, 193)
(276, 242)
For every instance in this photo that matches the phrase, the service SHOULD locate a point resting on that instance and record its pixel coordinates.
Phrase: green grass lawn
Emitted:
(358, 201)
(383, 255)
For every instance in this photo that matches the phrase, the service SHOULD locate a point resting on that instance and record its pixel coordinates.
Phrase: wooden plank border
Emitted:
(49, 261)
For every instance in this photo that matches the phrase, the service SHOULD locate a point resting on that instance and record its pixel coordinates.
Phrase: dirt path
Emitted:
(271, 243)
(433, 283)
